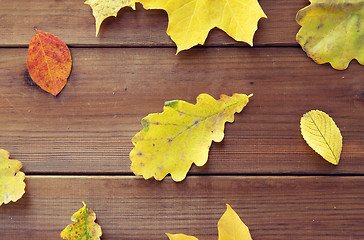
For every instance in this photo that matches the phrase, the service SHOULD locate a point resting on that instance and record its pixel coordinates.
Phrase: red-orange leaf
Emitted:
(49, 62)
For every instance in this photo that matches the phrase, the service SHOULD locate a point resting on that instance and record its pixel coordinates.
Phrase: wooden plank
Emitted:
(89, 126)
(73, 22)
(302, 208)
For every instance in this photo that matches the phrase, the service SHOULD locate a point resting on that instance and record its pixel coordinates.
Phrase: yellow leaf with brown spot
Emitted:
(332, 31)
(84, 226)
(12, 185)
(181, 135)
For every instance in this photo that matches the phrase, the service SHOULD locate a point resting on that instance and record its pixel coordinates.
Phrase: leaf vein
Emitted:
(323, 136)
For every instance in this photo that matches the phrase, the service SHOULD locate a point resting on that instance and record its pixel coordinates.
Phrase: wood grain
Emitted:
(89, 126)
(72, 21)
(301, 208)
(75, 147)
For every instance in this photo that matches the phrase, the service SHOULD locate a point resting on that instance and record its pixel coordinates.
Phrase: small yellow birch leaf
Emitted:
(84, 226)
(231, 227)
(181, 135)
(190, 21)
(332, 31)
(180, 237)
(12, 185)
(322, 135)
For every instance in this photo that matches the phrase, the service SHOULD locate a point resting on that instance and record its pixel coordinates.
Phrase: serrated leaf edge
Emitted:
(337, 158)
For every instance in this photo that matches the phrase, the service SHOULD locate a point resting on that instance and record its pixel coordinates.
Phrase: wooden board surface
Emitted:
(73, 22)
(110, 90)
(75, 147)
(131, 208)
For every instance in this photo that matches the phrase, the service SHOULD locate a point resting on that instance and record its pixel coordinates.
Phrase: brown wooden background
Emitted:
(75, 147)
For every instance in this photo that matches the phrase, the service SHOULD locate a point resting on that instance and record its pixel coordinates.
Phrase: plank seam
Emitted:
(78, 46)
(90, 174)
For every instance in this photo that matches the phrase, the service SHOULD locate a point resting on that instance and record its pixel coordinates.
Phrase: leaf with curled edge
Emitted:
(322, 135)
(181, 135)
(12, 185)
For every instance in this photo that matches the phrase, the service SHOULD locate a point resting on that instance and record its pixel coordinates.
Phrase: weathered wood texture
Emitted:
(129, 71)
(73, 22)
(275, 208)
(89, 126)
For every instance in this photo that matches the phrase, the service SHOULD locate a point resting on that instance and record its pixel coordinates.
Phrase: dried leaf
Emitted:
(191, 21)
(49, 62)
(322, 135)
(181, 135)
(12, 185)
(84, 226)
(230, 227)
(332, 31)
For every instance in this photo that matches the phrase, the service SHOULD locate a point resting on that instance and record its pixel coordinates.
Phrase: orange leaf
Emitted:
(49, 62)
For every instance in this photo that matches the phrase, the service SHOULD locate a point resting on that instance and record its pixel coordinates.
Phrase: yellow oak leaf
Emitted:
(322, 135)
(230, 227)
(191, 21)
(84, 226)
(332, 31)
(12, 185)
(181, 135)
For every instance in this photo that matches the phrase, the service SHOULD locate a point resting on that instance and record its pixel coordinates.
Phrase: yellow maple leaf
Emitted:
(332, 31)
(84, 226)
(12, 185)
(191, 21)
(102, 9)
(230, 227)
(322, 135)
(181, 135)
